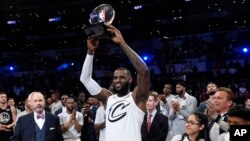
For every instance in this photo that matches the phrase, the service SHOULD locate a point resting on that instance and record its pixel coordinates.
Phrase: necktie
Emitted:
(213, 121)
(42, 116)
(217, 118)
(149, 121)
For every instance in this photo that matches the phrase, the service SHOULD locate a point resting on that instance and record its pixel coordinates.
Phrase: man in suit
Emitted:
(38, 125)
(155, 124)
(216, 112)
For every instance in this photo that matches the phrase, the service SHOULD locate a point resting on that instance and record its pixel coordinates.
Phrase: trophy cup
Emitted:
(102, 15)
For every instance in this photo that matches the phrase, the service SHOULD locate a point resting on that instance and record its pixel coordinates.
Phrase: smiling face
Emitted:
(121, 82)
(221, 102)
(193, 126)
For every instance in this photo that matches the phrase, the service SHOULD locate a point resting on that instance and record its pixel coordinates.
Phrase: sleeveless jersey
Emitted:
(123, 119)
(6, 116)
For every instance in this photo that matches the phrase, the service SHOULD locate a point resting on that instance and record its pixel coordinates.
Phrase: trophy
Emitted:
(102, 15)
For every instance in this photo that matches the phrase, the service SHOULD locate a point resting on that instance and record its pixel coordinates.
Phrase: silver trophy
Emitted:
(102, 15)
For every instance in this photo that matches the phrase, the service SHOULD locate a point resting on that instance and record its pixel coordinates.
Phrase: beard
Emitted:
(123, 91)
(70, 109)
(180, 92)
(211, 92)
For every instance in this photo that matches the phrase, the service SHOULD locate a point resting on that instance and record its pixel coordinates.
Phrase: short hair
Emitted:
(181, 83)
(212, 83)
(122, 68)
(230, 94)
(32, 94)
(152, 94)
(2, 93)
(239, 111)
(171, 87)
(57, 94)
(71, 98)
(11, 99)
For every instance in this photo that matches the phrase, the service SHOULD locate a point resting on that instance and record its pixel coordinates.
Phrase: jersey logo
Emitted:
(4, 117)
(118, 110)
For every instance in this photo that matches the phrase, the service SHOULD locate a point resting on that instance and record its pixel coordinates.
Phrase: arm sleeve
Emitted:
(86, 76)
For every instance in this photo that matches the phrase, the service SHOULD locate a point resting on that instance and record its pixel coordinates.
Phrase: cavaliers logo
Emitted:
(118, 110)
(4, 117)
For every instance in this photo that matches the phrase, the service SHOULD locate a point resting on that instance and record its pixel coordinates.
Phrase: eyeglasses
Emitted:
(191, 123)
(64, 98)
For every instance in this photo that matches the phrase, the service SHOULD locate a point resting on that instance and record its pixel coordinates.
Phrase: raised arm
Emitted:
(91, 85)
(140, 93)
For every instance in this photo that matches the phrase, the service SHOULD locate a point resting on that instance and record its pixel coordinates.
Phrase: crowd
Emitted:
(176, 116)
(125, 109)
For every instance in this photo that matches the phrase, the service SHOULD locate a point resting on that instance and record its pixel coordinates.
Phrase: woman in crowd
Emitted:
(195, 128)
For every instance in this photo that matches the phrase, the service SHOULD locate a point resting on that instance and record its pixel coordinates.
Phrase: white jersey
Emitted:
(124, 119)
(71, 133)
(100, 118)
(56, 106)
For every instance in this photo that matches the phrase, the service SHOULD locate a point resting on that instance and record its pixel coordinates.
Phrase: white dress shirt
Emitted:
(40, 122)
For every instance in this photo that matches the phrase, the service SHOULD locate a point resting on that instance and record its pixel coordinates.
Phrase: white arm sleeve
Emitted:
(86, 76)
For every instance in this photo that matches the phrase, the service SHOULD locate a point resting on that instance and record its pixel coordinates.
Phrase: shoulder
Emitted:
(162, 116)
(203, 103)
(26, 117)
(79, 114)
(100, 109)
(176, 138)
(192, 98)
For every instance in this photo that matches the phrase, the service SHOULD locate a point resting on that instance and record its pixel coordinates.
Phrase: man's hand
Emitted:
(163, 98)
(5, 128)
(117, 36)
(72, 116)
(92, 44)
(176, 106)
(210, 111)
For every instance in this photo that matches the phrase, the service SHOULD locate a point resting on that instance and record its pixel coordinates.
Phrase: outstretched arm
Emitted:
(86, 75)
(140, 93)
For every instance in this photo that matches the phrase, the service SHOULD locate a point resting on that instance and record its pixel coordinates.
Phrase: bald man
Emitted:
(38, 125)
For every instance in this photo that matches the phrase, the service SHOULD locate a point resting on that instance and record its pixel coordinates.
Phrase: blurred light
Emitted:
(137, 7)
(11, 22)
(55, 19)
(145, 58)
(72, 64)
(245, 50)
(11, 68)
(63, 67)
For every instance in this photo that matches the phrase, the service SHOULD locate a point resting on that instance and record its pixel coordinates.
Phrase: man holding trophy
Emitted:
(124, 109)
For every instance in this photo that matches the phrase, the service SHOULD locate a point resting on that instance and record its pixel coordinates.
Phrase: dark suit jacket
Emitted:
(58, 111)
(158, 130)
(25, 128)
